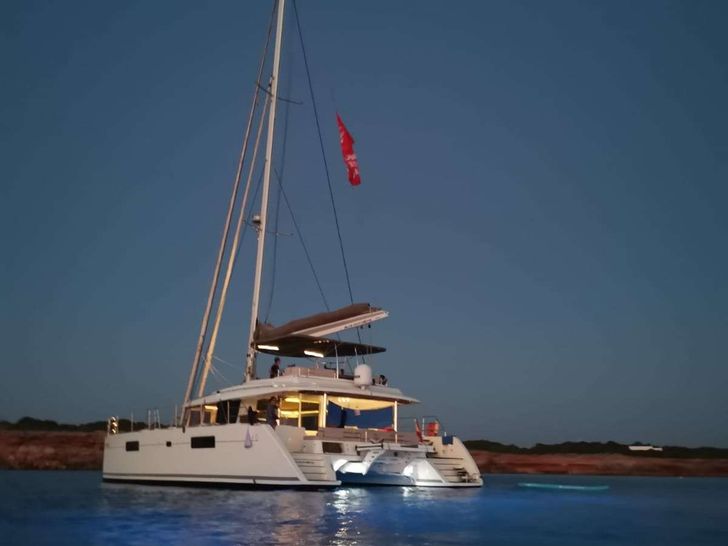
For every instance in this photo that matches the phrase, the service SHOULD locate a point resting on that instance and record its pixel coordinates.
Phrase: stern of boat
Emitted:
(363, 457)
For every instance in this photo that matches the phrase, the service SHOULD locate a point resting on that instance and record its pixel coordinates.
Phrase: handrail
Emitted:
(365, 435)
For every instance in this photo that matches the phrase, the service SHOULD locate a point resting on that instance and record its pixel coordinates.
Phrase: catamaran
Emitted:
(314, 424)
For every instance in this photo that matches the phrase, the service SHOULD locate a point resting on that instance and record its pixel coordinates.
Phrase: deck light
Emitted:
(269, 347)
(313, 353)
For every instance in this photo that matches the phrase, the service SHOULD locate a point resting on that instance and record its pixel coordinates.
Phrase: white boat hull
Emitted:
(167, 455)
(241, 455)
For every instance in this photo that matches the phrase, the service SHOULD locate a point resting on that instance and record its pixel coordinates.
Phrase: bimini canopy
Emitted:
(303, 337)
(320, 347)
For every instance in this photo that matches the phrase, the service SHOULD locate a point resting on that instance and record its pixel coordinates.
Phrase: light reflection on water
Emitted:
(76, 508)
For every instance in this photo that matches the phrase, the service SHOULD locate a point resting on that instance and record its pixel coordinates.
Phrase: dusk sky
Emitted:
(542, 207)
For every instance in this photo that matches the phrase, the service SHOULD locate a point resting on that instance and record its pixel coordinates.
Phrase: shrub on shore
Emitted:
(32, 424)
(593, 448)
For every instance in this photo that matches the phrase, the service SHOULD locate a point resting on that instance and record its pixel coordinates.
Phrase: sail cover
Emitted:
(304, 337)
(322, 324)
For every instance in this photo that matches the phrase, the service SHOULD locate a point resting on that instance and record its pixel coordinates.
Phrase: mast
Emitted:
(231, 260)
(261, 227)
(223, 244)
(226, 230)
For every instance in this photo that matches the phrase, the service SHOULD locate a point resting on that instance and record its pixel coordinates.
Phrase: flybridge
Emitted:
(304, 337)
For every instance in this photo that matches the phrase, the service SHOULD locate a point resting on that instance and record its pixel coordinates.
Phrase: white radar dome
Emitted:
(362, 375)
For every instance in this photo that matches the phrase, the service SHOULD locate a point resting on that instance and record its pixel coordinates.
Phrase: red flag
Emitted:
(347, 150)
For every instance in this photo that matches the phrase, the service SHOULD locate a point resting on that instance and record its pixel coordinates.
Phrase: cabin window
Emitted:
(331, 447)
(200, 442)
(227, 411)
(132, 446)
(194, 417)
(259, 407)
(300, 410)
(210, 414)
(310, 415)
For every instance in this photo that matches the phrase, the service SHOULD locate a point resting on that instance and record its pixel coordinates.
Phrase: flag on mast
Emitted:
(347, 150)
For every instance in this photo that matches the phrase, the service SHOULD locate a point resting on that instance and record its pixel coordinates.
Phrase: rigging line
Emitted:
(303, 243)
(250, 212)
(224, 361)
(282, 99)
(194, 372)
(274, 264)
(284, 148)
(242, 220)
(233, 256)
(323, 153)
(219, 375)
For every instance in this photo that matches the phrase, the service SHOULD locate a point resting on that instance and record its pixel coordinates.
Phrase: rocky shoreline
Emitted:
(41, 450)
(45, 450)
(606, 464)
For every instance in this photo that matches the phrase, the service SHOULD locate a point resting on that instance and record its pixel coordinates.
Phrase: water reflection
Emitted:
(75, 508)
(190, 515)
(347, 505)
(340, 516)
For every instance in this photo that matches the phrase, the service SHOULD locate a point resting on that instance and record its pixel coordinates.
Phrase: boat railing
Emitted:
(365, 435)
(428, 425)
(300, 371)
(112, 425)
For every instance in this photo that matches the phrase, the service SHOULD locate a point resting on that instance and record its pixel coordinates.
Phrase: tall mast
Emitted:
(228, 219)
(250, 356)
(231, 259)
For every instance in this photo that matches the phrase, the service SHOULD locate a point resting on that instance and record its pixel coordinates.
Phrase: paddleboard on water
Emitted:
(563, 487)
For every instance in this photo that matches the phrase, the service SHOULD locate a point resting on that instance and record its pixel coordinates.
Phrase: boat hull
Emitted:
(229, 455)
(241, 455)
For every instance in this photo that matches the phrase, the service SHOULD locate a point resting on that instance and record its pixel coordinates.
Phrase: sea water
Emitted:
(77, 508)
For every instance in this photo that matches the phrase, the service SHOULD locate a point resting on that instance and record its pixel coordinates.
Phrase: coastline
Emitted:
(72, 450)
(601, 464)
(51, 450)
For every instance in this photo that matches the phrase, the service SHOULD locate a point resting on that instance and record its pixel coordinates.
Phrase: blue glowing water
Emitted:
(76, 508)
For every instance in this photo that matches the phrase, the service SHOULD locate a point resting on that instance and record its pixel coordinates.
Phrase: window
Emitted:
(331, 447)
(310, 415)
(358, 412)
(132, 446)
(199, 442)
(194, 417)
(227, 411)
(301, 410)
(210, 414)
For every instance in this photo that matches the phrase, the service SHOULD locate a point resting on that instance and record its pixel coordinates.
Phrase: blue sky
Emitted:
(542, 205)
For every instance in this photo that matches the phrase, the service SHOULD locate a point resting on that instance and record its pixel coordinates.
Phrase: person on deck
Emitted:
(275, 369)
(252, 416)
(271, 414)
